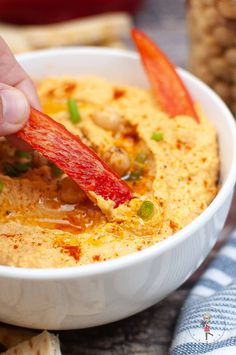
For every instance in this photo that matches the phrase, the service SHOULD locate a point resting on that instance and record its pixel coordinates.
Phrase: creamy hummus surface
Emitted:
(47, 221)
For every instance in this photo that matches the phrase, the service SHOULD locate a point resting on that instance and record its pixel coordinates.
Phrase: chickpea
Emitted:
(45, 172)
(227, 8)
(196, 5)
(230, 56)
(208, 2)
(199, 53)
(211, 46)
(224, 36)
(203, 73)
(223, 90)
(39, 160)
(219, 68)
(108, 119)
(203, 24)
(206, 49)
(70, 192)
(118, 160)
(208, 40)
(211, 16)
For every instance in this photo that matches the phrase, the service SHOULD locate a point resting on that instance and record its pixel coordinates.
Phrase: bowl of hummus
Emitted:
(69, 261)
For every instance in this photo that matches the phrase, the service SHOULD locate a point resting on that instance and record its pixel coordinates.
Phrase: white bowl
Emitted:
(90, 295)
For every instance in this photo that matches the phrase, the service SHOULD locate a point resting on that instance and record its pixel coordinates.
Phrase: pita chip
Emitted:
(42, 344)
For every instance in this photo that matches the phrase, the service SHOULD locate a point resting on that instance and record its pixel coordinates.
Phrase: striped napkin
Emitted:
(207, 322)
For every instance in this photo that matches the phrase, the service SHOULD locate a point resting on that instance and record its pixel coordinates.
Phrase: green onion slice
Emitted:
(56, 171)
(22, 154)
(74, 111)
(141, 157)
(15, 170)
(10, 170)
(146, 210)
(134, 175)
(157, 136)
(22, 167)
(1, 185)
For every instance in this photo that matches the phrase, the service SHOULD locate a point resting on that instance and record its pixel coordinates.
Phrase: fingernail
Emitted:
(14, 111)
(14, 107)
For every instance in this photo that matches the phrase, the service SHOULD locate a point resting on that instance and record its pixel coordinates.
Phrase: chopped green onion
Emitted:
(1, 185)
(146, 210)
(134, 175)
(74, 111)
(141, 157)
(15, 170)
(56, 171)
(157, 136)
(22, 167)
(22, 154)
(10, 170)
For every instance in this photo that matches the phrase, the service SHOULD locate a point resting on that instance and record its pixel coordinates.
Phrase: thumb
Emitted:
(14, 110)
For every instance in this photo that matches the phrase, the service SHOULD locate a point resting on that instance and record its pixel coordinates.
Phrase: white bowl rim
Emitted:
(158, 248)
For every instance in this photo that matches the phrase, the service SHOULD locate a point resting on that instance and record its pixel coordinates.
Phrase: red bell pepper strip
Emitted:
(170, 92)
(78, 161)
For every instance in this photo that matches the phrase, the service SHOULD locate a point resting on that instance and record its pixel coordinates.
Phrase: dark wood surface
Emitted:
(149, 332)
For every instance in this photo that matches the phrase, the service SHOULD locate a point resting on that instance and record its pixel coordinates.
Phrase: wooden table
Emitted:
(149, 332)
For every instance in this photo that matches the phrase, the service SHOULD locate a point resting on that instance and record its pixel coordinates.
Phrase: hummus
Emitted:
(47, 221)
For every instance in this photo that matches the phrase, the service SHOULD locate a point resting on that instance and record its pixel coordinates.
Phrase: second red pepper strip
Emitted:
(169, 90)
(78, 161)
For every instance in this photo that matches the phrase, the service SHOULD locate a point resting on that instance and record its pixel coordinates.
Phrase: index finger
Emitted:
(11, 73)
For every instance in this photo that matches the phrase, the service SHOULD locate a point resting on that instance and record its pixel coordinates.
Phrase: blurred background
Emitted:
(197, 34)
(28, 25)
(44, 12)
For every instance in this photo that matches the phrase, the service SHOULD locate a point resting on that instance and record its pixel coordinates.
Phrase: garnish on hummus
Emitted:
(146, 210)
(169, 90)
(157, 136)
(45, 216)
(57, 215)
(73, 110)
(68, 152)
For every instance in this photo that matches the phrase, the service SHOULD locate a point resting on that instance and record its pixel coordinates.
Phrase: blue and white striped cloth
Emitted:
(207, 322)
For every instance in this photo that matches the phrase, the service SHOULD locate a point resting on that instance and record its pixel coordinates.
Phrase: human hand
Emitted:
(17, 93)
